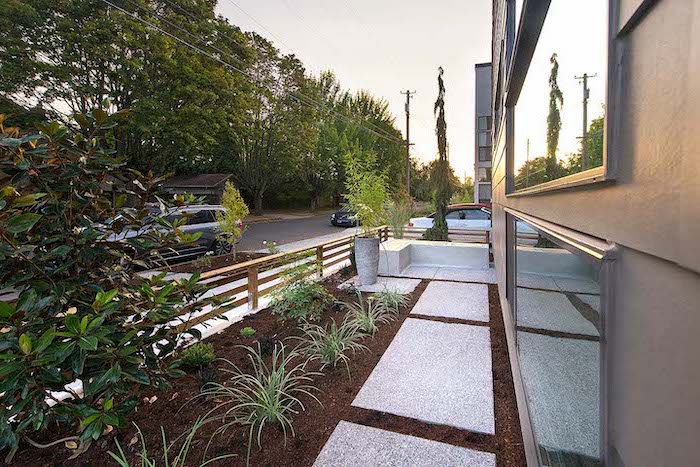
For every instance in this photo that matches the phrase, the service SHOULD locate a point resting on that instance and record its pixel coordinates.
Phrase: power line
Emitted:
(251, 78)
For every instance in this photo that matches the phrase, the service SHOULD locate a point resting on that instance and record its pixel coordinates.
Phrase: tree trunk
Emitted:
(258, 204)
(314, 202)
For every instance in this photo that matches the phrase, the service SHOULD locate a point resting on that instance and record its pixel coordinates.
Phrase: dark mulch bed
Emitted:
(216, 262)
(314, 426)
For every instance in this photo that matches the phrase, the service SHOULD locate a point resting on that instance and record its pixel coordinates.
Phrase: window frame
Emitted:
(530, 24)
(594, 251)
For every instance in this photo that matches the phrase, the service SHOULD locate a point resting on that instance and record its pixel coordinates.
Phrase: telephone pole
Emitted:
(584, 135)
(408, 94)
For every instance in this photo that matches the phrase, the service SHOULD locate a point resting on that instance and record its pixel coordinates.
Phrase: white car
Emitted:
(459, 216)
(474, 217)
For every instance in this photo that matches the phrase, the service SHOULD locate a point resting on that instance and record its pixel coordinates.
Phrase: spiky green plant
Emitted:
(180, 459)
(198, 355)
(271, 395)
(391, 301)
(367, 314)
(331, 344)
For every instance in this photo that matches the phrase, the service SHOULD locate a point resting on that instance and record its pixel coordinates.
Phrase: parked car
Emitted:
(200, 218)
(460, 216)
(343, 218)
(474, 216)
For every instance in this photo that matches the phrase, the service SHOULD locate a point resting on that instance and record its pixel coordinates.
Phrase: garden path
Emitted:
(437, 370)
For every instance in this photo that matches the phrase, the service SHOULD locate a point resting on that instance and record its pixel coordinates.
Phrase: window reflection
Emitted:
(558, 337)
(560, 113)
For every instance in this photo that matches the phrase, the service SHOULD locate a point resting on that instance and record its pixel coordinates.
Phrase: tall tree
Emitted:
(441, 174)
(556, 101)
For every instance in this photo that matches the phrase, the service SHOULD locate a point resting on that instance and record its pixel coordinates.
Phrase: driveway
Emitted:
(287, 231)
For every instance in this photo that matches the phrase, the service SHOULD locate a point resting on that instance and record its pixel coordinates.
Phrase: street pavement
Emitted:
(287, 231)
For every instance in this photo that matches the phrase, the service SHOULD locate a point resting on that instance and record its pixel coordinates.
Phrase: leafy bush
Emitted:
(269, 396)
(247, 332)
(390, 300)
(198, 355)
(68, 247)
(367, 315)
(180, 459)
(366, 191)
(230, 221)
(301, 300)
(399, 215)
(331, 344)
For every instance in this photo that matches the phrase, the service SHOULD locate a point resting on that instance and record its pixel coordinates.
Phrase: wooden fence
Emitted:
(262, 276)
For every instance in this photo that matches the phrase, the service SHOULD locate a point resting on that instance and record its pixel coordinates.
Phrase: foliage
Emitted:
(230, 221)
(198, 355)
(556, 101)
(331, 344)
(81, 313)
(594, 148)
(272, 247)
(203, 261)
(464, 192)
(192, 114)
(301, 300)
(441, 175)
(390, 300)
(268, 396)
(368, 314)
(181, 457)
(399, 214)
(247, 332)
(366, 190)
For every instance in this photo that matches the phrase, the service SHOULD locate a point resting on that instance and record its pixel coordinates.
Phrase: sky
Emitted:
(385, 47)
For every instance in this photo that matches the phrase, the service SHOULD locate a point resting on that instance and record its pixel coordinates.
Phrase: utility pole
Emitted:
(527, 165)
(584, 135)
(408, 94)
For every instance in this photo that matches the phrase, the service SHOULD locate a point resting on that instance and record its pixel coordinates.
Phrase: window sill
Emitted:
(590, 176)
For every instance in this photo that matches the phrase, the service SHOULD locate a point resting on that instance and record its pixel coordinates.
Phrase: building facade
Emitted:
(594, 150)
(482, 133)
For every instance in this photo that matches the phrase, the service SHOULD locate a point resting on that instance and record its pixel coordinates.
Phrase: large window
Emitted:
(560, 112)
(558, 334)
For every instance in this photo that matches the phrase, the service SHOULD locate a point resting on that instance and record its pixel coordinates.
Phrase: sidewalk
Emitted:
(313, 240)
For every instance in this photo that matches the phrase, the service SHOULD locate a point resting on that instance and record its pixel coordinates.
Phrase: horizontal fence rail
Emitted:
(259, 277)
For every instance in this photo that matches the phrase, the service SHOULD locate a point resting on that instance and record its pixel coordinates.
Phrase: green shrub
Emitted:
(247, 332)
(230, 220)
(390, 300)
(268, 396)
(82, 314)
(366, 188)
(399, 215)
(367, 315)
(198, 355)
(181, 457)
(331, 344)
(301, 300)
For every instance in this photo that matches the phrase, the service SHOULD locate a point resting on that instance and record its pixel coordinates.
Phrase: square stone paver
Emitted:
(435, 372)
(353, 445)
(397, 284)
(552, 311)
(454, 300)
(421, 272)
(562, 382)
(487, 276)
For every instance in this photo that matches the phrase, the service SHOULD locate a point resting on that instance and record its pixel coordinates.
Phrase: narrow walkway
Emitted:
(437, 371)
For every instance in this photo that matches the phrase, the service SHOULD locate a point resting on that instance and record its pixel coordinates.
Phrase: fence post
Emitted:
(252, 287)
(488, 237)
(319, 261)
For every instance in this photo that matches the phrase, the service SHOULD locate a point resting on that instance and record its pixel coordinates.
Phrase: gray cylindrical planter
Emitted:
(367, 259)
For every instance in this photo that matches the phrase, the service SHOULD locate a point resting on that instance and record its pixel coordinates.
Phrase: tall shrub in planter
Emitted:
(366, 197)
(69, 247)
(440, 178)
(230, 221)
